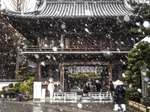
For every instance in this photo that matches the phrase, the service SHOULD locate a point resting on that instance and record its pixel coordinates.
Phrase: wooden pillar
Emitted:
(66, 82)
(61, 68)
(38, 71)
(62, 42)
(110, 71)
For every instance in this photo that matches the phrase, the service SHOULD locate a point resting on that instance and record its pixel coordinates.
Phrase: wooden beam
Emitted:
(38, 72)
(75, 52)
(110, 71)
(52, 63)
(61, 67)
(85, 63)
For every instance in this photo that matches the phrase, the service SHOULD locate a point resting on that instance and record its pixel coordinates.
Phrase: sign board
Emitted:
(85, 69)
(37, 90)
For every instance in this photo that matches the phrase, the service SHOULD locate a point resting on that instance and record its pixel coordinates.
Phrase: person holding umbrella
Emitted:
(119, 96)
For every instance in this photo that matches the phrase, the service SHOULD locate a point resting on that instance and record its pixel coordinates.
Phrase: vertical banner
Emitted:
(37, 90)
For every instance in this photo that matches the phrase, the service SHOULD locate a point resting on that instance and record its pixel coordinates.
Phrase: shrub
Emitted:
(135, 68)
(130, 90)
(23, 88)
(135, 98)
(127, 77)
(132, 60)
(135, 84)
(142, 45)
(135, 76)
(148, 89)
(129, 67)
(148, 73)
(128, 72)
(135, 54)
(11, 90)
(16, 86)
(139, 63)
(10, 85)
(148, 66)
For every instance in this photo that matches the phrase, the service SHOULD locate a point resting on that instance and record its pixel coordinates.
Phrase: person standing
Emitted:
(86, 89)
(106, 87)
(98, 86)
(119, 96)
(111, 88)
(51, 87)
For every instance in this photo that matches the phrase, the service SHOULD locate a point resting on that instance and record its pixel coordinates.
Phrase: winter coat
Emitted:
(98, 86)
(119, 95)
(86, 89)
(112, 88)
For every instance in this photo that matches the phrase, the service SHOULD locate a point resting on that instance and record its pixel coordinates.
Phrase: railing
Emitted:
(77, 48)
(11, 80)
(101, 96)
(138, 106)
(65, 96)
(106, 97)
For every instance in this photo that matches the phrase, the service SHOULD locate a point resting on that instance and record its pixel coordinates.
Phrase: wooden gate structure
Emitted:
(77, 33)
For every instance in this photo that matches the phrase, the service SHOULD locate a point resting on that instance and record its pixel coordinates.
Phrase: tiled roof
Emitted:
(56, 9)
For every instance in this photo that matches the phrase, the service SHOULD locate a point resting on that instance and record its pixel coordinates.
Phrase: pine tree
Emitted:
(142, 10)
(138, 56)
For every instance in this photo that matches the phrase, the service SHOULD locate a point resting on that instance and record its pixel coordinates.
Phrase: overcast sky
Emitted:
(32, 4)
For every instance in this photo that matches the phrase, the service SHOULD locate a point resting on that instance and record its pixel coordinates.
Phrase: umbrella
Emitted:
(118, 82)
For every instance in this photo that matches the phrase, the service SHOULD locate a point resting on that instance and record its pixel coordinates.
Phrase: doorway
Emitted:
(76, 82)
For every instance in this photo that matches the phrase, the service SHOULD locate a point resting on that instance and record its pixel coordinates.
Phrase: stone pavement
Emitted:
(48, 106)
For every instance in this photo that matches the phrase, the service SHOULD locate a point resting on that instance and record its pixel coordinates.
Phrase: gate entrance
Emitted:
(77, 82)
(78, 76)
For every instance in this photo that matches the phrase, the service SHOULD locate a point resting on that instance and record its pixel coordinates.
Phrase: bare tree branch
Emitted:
(19, 5)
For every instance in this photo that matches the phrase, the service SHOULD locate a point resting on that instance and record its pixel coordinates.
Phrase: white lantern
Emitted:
(146, 24)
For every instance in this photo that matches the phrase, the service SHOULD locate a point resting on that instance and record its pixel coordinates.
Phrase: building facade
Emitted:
(74, 41)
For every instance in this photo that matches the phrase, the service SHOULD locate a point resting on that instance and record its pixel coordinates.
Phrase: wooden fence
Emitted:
(139, 106)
